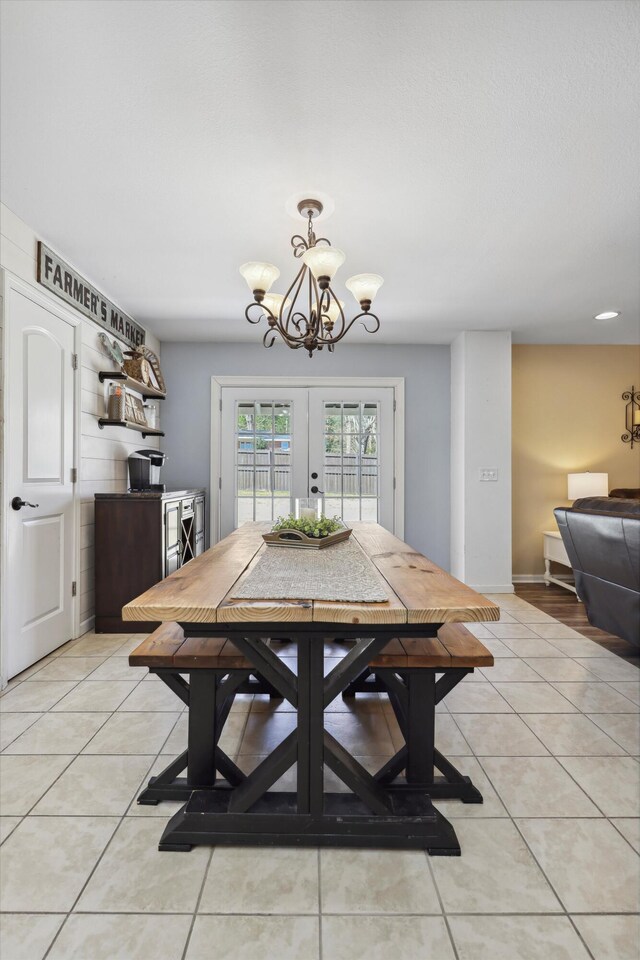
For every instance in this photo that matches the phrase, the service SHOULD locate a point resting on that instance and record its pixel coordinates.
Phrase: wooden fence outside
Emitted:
(335, 467)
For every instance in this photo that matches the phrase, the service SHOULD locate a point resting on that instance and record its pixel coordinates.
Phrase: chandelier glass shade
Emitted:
(309, 315)
(259, 276)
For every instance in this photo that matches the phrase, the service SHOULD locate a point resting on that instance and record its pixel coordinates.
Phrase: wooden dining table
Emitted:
(202, 598)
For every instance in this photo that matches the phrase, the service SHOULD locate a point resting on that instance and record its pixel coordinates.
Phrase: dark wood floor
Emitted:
(563, 606)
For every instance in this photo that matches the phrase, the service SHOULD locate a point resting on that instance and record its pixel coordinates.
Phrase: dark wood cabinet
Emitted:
(140, 538)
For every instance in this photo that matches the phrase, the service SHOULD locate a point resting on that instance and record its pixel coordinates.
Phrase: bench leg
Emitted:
(152, 795)
(169, 785)
(201, 767)
(421, 713)
(414, 698)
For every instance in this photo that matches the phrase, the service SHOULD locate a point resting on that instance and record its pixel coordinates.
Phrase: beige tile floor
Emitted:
(549, 868)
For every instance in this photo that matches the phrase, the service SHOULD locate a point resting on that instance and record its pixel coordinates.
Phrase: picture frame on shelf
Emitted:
(134, 410)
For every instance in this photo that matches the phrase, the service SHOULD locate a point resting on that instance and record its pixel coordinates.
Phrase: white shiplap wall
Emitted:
(103, 453)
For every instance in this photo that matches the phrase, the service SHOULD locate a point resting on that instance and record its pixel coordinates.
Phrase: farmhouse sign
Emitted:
(61, 279)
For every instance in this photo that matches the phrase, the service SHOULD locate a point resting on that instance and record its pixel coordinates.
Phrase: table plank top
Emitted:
(203, 590)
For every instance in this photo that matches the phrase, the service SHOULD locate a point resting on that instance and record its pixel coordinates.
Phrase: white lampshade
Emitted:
(364, 286)
(259, 276)
(332, 311)
(587, 485)
(323, 261)
(273, 302)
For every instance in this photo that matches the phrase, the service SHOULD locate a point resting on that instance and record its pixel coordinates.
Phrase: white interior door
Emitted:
(351, 458)
(281, 443)
(40, 449)
(264, 453)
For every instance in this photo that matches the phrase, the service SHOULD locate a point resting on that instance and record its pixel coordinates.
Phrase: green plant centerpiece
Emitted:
(307, 532)
(316, 528)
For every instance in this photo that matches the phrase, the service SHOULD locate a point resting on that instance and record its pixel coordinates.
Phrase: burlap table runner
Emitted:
(340, 572)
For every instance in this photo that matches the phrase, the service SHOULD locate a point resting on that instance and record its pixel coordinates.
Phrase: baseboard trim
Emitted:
(492, 587)
(86, 625)
(538, 577)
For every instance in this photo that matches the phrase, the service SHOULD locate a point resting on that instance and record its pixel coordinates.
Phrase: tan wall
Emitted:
(568, 417)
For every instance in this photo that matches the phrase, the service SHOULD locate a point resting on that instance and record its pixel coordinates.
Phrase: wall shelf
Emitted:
(148, 392)
(144, 430)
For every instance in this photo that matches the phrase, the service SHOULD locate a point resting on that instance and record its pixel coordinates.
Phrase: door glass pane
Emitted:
(369, 509)
(263, 460)
(281, 507)
(246, 447)
(264, 509)
(245, 418)
(350, 509)
(332, 418)
(351, 417)
(351, 460)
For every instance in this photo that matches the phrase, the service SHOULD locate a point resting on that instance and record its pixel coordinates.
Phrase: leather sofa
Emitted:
(602, 538)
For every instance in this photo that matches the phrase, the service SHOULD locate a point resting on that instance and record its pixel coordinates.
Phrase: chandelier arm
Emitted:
(292, 297)
(322, 301)
(325, 336)
(296, 323)
(371, 316)
(342, 321)
(344, 332)
(315, 297)
(299, 245)
(319, 299)
(263, 312)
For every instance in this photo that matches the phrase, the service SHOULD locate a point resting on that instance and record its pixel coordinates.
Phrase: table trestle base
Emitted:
(345, 821)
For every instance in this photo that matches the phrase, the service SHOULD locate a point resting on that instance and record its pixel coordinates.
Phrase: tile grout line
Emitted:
(328, 913)
(7, 745)
(579, 710)
(197, 903)
(106, 847)
(520, 834)
(528, 847)
(441, 902)
(534, 858)
(524, 838)
(247, 714)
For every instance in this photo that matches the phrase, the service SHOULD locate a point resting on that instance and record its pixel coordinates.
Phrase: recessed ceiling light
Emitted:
(607, 315)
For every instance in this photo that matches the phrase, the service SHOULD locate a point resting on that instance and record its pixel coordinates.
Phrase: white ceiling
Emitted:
(482, 156)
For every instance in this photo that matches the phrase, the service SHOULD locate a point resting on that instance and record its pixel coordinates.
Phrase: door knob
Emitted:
(315, 490)
(17, 503)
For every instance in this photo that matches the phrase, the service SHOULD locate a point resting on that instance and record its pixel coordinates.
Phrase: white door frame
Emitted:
(8, 283)
(278, 383)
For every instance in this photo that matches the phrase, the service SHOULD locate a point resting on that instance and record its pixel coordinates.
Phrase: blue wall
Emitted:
(186, 416)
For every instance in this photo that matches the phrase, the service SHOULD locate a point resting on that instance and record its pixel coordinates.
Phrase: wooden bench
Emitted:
(407, 671)
(216, 672)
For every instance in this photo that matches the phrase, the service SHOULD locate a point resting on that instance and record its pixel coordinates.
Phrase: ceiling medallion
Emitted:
(323, 324)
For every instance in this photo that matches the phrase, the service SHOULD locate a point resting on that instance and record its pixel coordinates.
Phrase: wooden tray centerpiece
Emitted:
(306, 533)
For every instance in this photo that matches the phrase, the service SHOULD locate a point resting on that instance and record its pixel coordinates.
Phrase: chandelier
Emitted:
(320, 321)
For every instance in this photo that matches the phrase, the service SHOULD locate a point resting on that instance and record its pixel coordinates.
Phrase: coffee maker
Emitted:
(144, 471)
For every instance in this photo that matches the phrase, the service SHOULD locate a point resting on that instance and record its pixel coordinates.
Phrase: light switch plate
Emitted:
(488, 473)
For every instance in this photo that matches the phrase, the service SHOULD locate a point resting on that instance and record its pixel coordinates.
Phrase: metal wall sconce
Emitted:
(631, 416)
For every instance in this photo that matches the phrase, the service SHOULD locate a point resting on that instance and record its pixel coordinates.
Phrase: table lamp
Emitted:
(587, 485)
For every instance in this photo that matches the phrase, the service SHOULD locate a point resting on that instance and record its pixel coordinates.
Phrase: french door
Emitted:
(278, 444)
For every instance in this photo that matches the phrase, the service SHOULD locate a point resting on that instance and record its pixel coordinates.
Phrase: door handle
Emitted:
(315, 490)
(17, 503)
